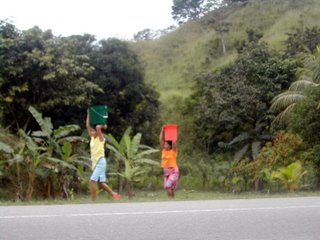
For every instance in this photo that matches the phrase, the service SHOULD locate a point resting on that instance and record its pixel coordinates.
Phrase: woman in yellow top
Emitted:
(169, 154)
(99, 163)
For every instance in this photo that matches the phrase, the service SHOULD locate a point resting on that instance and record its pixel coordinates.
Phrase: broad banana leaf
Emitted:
(6, 148)
(45, 123)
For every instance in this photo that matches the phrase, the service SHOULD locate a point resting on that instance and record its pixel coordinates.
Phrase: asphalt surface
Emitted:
(254, 219)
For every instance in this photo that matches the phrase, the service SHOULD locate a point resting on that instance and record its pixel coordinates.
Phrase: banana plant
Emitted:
(11, 152)
(5, 149)
(133, 155)
(71, 163)
(55, 146)
(34, 158)
(291, 175)
(269, 176)
(53, 138)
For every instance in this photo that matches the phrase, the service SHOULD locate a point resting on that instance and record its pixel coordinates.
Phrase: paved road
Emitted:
(255, 219)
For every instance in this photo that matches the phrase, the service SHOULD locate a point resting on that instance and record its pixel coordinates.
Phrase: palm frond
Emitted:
(224, 145)
(316, 75)
(302, 84)
(239, 154)
(266, 136)
(282, 117)
(286, 99)
(312, 62)
(255, 148)
(240, 138)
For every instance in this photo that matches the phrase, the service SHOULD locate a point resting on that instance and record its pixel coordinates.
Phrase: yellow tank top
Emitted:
(169, 159)
(96, 150)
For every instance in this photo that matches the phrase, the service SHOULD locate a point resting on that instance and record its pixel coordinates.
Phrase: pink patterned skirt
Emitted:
(171, 176)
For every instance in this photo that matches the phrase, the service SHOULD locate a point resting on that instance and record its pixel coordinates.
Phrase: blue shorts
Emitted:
(99, 172)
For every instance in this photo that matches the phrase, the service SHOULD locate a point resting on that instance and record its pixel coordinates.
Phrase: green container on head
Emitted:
(98, 115)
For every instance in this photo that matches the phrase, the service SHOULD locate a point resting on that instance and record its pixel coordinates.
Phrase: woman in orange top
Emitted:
(169, 164)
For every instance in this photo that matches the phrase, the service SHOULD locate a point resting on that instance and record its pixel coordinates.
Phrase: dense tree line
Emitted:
(237, 98)
(250, 125)
(238, 116)
(62, 76)
(47, 83)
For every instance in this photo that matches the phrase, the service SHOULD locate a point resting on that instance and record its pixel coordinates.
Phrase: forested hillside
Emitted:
(229, 80)
(172, 61)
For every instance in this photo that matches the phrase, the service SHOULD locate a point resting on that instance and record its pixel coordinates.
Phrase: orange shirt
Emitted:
(169, 159)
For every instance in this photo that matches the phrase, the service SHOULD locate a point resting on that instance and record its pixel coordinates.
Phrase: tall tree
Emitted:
(234, 99)
(40, 70)
(218, 21)
(303, 40)
(189, 10)
(131, 102)
(184, 10)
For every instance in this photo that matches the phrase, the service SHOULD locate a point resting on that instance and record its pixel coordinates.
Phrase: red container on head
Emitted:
(170, 132)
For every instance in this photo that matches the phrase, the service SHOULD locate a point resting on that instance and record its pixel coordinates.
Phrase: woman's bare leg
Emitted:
(105, 187)
(170, 193)
(93, 190)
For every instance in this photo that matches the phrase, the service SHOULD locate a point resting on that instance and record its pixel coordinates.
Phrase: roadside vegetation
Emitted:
(241, 81)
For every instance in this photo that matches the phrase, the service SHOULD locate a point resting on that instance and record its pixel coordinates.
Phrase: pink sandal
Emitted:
(117, 197)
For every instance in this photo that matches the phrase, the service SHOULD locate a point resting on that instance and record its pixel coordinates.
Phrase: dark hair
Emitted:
(170, 143)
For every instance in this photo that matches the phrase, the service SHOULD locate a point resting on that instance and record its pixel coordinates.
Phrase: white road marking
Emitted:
(158, 212)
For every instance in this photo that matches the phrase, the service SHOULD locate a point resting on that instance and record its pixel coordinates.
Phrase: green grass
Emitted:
(189, 195)
(160, 195)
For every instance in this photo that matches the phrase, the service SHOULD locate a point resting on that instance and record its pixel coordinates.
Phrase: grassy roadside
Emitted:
(157, 196)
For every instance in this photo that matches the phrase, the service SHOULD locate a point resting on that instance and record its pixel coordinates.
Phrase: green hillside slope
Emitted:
(172, 61)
